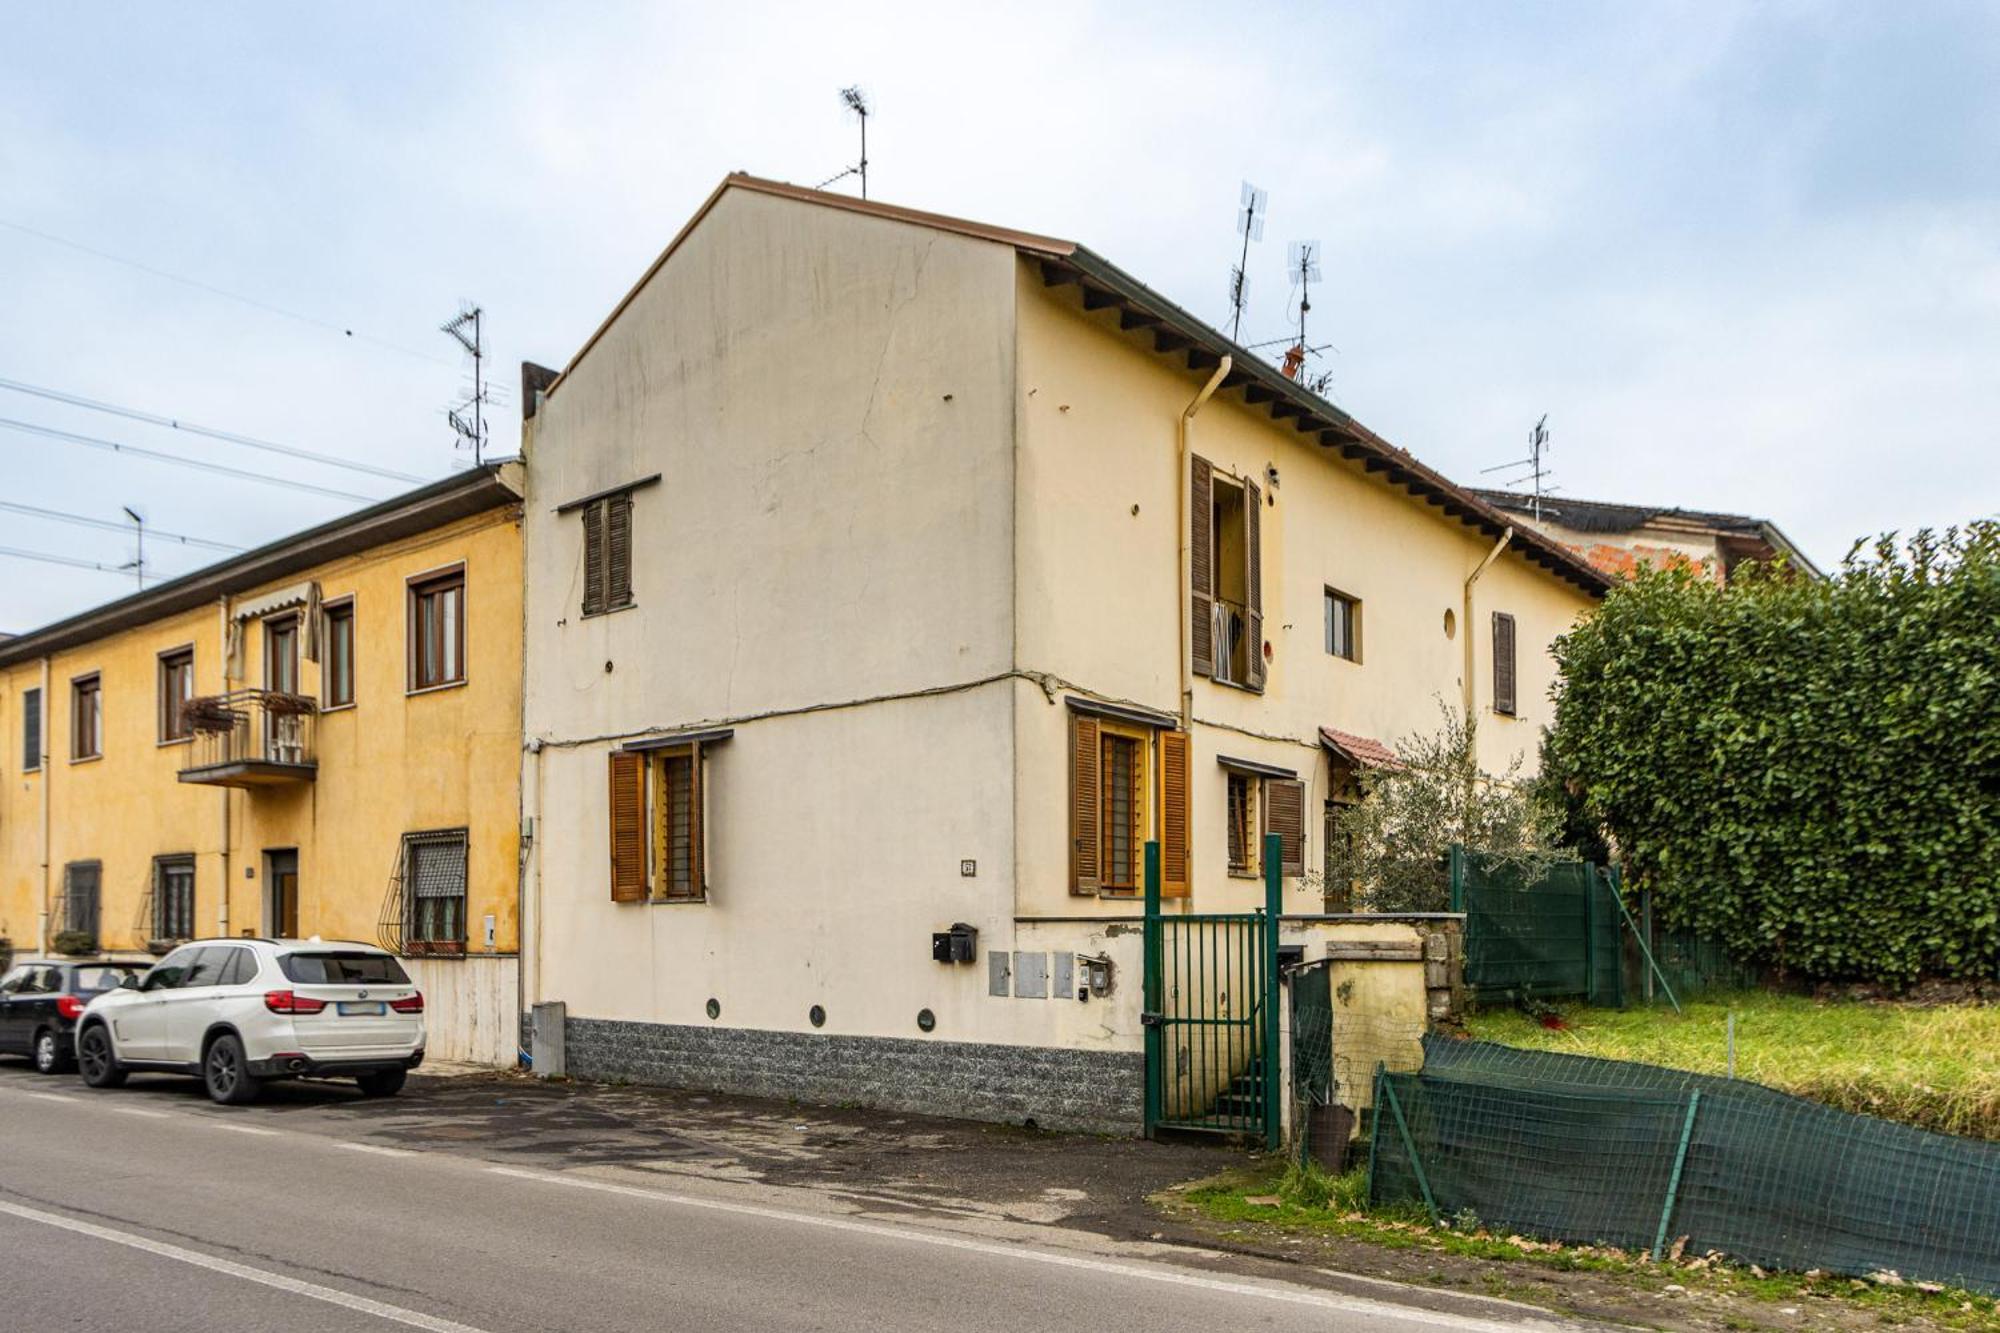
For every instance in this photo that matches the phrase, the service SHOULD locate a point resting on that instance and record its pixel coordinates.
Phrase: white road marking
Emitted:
(50, 1097)
(369, 1147)
(1174, 1277)
(240, 1129)
(138, 1110)
(381, 1310)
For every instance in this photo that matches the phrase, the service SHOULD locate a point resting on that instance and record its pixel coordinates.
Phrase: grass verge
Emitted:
(1307, 1200)
(1937, 1067)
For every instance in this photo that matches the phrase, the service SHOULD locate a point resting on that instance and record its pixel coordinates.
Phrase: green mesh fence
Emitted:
(1696, 966)
(1555, 934)
(1605, 1152)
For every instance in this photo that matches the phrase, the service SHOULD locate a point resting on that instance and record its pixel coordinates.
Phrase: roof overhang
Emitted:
(1360, 751)
(458, 496)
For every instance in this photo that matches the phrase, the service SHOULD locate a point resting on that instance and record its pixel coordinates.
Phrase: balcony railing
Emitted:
(251, 738)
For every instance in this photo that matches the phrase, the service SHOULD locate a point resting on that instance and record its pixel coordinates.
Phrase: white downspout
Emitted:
(222, 911)
(1466, 627)
(1186, 591)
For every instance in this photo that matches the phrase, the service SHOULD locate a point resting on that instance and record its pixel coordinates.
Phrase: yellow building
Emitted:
(318, 737)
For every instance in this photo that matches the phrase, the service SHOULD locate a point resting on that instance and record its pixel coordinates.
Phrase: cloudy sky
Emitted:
(1745, 258)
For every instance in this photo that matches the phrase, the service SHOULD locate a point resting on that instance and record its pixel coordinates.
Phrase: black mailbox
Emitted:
(960, 944)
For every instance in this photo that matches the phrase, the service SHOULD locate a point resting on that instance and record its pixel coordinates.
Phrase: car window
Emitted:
(12, 981)
(169, 971)
(206, 970)
(343, 969)
(98, 977)
(242, 969)
(41, 981)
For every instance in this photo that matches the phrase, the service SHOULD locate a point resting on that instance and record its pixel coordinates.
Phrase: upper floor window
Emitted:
(1343, 625)
(176, 692)
(281, 654)
(337, 656)
(1225, 569)
(31, 730)
(86, 718)
(607, 554)
(1503, 664)
(437, 631)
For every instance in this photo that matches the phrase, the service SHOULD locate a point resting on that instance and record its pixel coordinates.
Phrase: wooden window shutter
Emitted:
(697, 820)
(1503, 663)
(1174, 814)
(1086, 849)
(1253, 581)
(628, 828)
(593, 559)
(1285, 815)
(1201, 565)
(617, 552)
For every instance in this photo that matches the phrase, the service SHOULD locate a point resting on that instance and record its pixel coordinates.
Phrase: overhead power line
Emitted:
(105, 524)
(69, 560)
(229, 437)
(92, 442)
(223, 292)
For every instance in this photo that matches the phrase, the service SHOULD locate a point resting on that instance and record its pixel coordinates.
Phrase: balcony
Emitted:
(251, 738)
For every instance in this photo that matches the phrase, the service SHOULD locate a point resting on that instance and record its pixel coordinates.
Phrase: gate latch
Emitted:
(1147, 1019)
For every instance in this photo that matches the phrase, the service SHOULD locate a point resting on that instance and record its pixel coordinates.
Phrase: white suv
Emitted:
(238, 1012)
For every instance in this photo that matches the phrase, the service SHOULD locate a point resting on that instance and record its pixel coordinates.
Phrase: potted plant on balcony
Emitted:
(74, 943)
(210, 712)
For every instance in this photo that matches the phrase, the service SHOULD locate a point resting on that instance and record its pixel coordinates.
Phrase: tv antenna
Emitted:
(1537, 473)
(468, 418)
(856, 101)
(1250, 226)
(137, 564)
(1302, 262)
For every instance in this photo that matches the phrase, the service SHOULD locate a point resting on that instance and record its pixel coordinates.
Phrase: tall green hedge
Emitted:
(1805, 772)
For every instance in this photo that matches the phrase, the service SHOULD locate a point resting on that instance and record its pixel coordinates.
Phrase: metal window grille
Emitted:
(80, 898)
(173, 900)
(434, 888)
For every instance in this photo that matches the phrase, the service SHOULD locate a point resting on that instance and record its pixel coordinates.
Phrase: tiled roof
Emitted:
(1362, 751)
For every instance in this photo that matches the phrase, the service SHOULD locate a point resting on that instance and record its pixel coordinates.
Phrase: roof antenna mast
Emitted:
(1250, 226)
(1303, 265)
(137, 564)
(468, 418)
(1537, 472)
(856, 101)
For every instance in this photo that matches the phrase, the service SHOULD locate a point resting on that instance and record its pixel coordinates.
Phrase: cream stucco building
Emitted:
(889, 572)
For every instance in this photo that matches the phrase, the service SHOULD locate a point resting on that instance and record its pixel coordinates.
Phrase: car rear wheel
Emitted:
(48, 1052)
(94, 1055)
(383, 1082)
(227, 1073)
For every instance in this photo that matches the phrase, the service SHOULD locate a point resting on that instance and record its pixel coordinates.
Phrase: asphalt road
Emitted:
(147, 1207)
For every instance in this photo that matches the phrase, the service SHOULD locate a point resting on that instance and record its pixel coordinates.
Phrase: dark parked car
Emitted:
(40, 1002)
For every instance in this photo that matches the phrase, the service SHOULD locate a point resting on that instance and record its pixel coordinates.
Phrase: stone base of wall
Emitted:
(1092, 1091)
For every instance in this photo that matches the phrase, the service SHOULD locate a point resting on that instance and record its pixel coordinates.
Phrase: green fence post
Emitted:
(1674, 1181)
(1375, 1127)
(1589, 933)
(1150, 1019)
(1457, 863)
(1274, 908)
(1410, 1147)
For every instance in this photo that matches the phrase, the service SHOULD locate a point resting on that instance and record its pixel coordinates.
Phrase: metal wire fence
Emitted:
(1608, 1152)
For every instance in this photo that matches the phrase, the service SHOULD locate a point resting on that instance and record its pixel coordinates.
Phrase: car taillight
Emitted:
(412, 1003)
(69, 1006)
(284, 1002)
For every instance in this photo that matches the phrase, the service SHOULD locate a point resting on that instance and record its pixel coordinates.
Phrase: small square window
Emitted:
(437, 631)
(1343, 625)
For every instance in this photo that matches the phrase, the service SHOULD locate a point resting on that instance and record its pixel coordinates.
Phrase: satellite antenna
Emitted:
(468, 418)
(1537, 473)
(137, 564)
(856, 101)
(1250, 226)
(1302, 262)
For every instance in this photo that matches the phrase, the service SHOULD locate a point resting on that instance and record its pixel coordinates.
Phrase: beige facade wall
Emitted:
(394, 762)
(1099, 593)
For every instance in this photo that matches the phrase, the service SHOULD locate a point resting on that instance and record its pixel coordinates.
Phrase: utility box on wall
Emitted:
(545, 1040)
(960, 944)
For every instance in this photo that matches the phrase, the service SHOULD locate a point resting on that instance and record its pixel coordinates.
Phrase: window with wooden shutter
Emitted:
(1241, 817)
(86, 718)
(607, 554)
(1085, 818)
(31, 730)
(1253, 584)
(1175, 814)
(1503, 663)
(1201, 566)
(1285, 815)
(628, 828)
(679, 868)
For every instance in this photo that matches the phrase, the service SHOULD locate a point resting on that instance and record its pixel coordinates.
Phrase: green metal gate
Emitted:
(1211, 1013)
